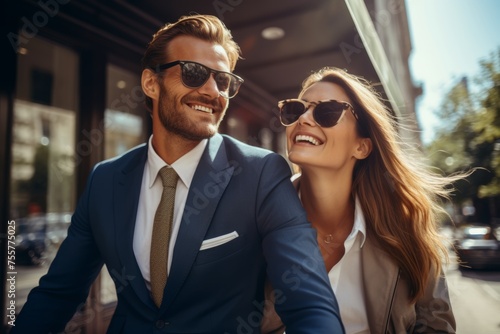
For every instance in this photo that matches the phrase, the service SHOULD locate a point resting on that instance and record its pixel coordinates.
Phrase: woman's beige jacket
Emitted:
(386, 296)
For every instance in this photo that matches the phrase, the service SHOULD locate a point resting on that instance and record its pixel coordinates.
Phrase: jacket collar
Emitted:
(380, 276)
(210, 179)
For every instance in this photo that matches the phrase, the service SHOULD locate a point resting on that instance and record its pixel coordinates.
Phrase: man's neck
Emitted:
(171, 148)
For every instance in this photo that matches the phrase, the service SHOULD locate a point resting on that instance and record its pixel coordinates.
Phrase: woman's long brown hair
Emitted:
(399, 194)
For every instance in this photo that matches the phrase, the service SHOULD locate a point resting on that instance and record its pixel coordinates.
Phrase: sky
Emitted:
(449, 38)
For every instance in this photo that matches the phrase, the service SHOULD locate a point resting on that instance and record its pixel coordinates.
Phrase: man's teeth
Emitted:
(202, 108)
(308, 139)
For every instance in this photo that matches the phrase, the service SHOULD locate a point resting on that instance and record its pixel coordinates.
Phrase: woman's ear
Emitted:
(363, 149)
(149, 84)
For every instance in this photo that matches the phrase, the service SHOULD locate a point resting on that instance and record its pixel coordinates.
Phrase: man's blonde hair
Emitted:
(206, 27)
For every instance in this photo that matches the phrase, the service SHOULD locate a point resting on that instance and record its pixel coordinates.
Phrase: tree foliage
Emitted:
(469, 136)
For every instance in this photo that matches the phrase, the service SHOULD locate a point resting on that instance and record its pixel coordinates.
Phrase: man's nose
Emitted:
(209, 88)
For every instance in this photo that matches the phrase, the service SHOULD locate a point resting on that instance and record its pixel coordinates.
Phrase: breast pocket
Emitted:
(220, 247)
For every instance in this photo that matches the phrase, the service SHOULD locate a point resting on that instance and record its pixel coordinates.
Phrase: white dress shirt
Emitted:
(345, 276)
(346, 279)
(151, 190)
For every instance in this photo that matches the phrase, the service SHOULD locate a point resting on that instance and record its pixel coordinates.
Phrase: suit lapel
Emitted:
(209, 182)
(127, 186)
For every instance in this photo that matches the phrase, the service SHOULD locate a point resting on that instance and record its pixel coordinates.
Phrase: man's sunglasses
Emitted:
(195, 75)
(325, 113)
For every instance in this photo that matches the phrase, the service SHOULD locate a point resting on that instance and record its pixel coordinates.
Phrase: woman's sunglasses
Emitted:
(325, 113)
(195, 75)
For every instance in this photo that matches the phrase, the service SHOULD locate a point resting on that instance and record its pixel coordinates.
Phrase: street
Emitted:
(475, 297)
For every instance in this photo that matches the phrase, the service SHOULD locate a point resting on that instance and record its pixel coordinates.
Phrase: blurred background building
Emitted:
(70, 96)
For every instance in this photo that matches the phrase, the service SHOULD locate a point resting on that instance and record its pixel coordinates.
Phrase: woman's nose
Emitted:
(307, 117)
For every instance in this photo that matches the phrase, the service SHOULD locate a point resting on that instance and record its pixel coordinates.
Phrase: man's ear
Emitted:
(149, 84)
(363, 149)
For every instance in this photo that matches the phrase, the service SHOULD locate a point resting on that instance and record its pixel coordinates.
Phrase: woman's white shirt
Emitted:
(346, 279)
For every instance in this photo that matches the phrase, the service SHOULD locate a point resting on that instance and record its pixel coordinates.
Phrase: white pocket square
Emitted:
(217, 241)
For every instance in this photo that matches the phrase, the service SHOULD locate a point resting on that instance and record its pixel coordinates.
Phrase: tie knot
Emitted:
(168, 177)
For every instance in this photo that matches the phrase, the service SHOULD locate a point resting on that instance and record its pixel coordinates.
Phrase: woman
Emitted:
(375, 208)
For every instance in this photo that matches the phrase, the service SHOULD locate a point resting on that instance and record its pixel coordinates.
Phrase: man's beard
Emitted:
(174, 121)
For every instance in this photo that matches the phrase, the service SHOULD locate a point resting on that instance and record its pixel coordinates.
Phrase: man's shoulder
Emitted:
(138, 152)
(254, 159)
(235, 146)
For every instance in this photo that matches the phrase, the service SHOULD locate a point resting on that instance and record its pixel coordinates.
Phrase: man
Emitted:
(236, 215)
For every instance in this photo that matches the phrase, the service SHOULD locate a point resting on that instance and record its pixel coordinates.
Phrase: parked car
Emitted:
(478, 247)
(38, 236)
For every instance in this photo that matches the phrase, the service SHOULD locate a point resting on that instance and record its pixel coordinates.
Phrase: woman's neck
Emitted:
(328, 201)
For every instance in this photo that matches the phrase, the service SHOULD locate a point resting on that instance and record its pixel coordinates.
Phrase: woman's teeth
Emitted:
(307, 139)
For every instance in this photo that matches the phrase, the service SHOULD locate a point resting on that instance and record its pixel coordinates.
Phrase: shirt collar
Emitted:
(359, 223)
(185, 166)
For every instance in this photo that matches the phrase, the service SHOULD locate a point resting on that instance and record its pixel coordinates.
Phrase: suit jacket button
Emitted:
(160, 324)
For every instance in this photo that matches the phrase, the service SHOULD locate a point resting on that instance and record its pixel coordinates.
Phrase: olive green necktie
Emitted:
(160, 238)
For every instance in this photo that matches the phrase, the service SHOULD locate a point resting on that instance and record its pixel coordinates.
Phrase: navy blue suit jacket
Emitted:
(236, 187)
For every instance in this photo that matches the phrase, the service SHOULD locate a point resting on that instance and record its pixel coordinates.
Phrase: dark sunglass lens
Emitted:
(223, 81)
(327, 114)
(234, 85)
(291, 111)
(194, 75)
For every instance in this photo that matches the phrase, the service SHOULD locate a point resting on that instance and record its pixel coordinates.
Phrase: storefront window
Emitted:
(43, 157)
